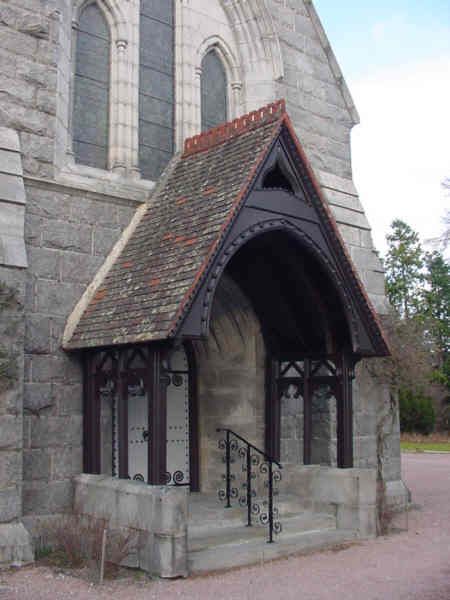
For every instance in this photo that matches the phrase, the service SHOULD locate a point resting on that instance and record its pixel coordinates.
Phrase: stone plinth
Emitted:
(349, 494)
(15, 545)
(156, 513)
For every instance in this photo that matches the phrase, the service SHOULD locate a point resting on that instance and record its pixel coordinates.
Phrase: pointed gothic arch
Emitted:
(112, 11)
(328, 285)
(214, 91)
(121, 154)
(225, 67)
(91, 88)
(256, 36)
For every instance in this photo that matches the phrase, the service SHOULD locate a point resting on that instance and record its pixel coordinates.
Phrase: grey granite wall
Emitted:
(15, 543)
(12, 298)
(28, 73)
(323, 433)
(230, 380)
(71, 226)
(68, 235)
(291, 427)
(317, 100)
(323, 113)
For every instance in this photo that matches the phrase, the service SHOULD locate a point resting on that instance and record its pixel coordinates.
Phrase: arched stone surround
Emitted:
(230, 376)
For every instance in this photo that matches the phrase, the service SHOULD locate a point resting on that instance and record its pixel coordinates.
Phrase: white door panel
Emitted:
(137, 424)
(177, 424)
(178, 428)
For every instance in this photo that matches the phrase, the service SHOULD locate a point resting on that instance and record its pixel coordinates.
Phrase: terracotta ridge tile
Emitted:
(209, 139)
(287, 122)
(228, 216)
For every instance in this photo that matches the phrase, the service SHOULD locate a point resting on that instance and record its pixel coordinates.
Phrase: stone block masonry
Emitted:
(28, 50)
(15, 546)
(71, 216)
(157, 514)
(68, 235)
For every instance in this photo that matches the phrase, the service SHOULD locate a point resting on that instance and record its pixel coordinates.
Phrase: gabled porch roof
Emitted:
(146, 288)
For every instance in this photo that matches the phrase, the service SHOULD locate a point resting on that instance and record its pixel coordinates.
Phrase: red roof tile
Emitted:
(173, 243)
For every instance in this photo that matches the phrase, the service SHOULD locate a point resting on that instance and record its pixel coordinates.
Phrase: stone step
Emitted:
(230, 531)
(238, 546)
(206, 512)
(301, 521)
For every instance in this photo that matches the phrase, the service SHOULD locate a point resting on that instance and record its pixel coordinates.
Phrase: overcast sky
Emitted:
(395, 58)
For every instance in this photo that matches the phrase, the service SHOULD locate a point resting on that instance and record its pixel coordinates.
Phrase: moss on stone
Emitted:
(8, 358)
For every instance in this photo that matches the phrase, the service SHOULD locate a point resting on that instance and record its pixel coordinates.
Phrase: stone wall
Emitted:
(73, 218)
(28, 63)
(230, 366)
(15, 547)
(348, 494)
(12, 297)
(315, 97)
(68, 235)
(323, 433)
(154, 516)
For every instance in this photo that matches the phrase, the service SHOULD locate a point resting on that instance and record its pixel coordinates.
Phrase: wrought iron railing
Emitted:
(236, 446)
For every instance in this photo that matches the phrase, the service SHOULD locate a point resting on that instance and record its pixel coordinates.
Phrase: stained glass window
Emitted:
(91, 89)
(213, 92)
(156, 87)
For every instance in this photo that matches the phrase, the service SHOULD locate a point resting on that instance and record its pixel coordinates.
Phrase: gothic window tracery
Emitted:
(90, 121)
(213, 85)
(156, 87)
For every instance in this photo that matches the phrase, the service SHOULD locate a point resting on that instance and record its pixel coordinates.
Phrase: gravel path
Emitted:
(412, 565)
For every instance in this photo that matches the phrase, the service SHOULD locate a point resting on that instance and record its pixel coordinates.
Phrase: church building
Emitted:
(190, 299)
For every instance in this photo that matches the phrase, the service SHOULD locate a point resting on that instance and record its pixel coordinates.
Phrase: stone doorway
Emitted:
(276, 366)
(126, 432)
(178, 430)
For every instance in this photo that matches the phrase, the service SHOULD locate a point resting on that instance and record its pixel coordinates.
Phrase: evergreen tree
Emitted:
(404, 263)
(442, 242)
(436, 311)
(418, 287)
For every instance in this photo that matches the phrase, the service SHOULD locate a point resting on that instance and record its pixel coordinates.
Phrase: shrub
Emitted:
(76, 542)
(416, 411)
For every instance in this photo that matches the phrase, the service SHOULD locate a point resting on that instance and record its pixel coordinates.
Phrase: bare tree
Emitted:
(410, 364)
(442, 242)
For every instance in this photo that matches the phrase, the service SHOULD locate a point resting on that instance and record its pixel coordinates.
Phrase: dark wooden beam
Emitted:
(272, 410)
(123, 424)
(91, 416)
(157, 420)
(194, 463)
(307, 413)
(345, 416)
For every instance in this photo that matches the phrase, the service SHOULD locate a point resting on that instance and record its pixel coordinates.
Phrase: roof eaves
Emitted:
(94, 287)
(204, 142)
(384, 342)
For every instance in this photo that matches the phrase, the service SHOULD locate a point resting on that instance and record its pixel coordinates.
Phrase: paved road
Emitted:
(412, 565)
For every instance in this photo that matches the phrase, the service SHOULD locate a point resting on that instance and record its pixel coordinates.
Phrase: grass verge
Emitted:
(423, 446)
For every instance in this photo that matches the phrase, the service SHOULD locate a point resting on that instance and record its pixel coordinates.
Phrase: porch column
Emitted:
(307, 413)
(345, 416)
(272, 407)
(157, 421)
(91, 417)
(123, 422)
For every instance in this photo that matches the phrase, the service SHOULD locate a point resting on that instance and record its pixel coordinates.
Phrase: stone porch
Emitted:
(182, 533)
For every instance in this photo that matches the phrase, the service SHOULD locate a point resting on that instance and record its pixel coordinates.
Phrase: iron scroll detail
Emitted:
(254, 463)
(176, 478)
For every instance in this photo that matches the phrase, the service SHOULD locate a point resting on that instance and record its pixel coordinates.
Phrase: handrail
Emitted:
(266, 468)
(266, 456)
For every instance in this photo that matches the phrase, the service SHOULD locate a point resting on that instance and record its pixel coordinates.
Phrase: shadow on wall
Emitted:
(230, 378)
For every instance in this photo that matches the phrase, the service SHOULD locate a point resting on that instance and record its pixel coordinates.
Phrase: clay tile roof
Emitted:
(154, 276)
